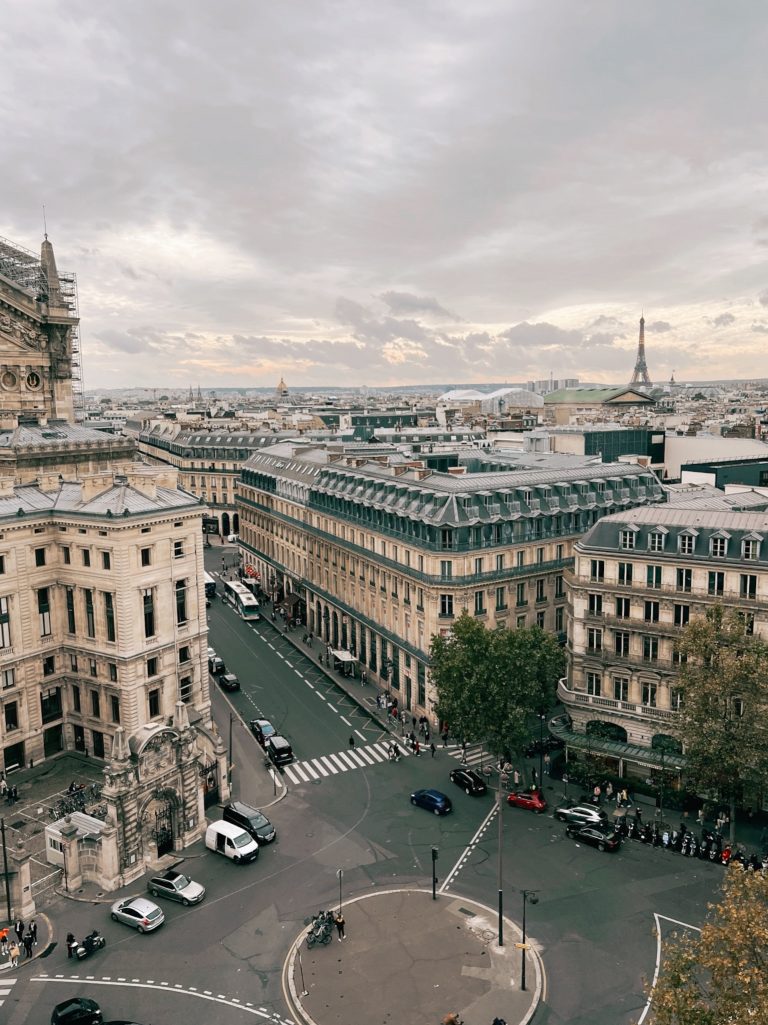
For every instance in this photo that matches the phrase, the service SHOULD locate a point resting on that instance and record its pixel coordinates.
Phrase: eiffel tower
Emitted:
(640, 376)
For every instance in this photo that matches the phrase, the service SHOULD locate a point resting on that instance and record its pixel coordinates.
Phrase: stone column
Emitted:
(109, 874)
(22, 901)
(73, 876)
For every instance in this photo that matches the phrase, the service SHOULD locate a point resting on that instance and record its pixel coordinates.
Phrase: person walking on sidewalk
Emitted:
(432, 749)
(33, 931)
(28, 945)
(340, 925)
(351, 741)
(4, 940)
(19, 929)
(15, 953)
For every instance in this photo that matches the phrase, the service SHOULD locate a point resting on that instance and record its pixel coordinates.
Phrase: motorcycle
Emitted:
(321, 929)
(716, 850)
(93, 941)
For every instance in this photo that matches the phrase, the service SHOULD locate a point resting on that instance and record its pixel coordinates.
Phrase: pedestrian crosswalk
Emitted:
(331, 765)
(6, 985)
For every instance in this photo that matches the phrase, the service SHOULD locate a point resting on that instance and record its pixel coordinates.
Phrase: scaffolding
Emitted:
(25, 270)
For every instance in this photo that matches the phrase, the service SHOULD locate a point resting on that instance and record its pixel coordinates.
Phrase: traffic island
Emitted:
(407, 957)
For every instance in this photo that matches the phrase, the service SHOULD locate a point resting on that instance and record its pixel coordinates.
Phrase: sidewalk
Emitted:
(45, 938)
(408, 958)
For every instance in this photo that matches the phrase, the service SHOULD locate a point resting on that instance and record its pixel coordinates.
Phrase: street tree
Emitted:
(722, 721)
(721, 976)
(489, 682)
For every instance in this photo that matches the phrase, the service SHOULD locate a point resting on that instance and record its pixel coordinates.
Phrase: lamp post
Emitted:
(542, 717)
(499, 798)
(529, 897)
(434, 873)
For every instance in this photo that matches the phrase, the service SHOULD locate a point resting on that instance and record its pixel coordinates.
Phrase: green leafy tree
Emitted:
(489, 682)
(721, 976)
(723, 684)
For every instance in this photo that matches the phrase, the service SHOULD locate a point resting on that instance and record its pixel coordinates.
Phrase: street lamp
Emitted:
(542, 717)
(529, 897)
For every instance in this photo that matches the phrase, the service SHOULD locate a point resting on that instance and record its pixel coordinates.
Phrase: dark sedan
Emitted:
(531, 800)
(468, 780)
(262, 730)
(605, 839)
(433, 800)
(76, 1011)
(228, 681)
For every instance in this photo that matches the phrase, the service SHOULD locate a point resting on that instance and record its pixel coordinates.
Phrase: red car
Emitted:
(532, 800)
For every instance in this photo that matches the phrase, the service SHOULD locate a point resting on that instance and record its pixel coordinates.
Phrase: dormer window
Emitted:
(656, 541)
(686, 544)
(718, 547)
(750, 549)
(627, 539)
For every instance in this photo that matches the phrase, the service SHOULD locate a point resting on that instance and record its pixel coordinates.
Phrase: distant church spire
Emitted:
(640, 375)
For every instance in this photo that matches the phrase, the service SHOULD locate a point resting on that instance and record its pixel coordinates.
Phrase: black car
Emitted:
(76, 1011)
(605, 838)
(228, 681)
(252, 821)
(468, 780)
(262, 730)
(541, 746)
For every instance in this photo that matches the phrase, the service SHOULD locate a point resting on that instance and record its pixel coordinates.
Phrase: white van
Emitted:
(231, 841)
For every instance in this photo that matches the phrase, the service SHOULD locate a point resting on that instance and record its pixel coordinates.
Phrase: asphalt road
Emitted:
(221, 961)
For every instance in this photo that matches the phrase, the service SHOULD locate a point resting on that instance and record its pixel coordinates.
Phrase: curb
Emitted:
(43, 950)
(293, 998)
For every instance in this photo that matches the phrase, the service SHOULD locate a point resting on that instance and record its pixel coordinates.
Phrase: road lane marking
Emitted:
(345, 721)
(469, 849)
(659, 941)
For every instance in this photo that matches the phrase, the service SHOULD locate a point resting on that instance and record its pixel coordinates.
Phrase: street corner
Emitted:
(444, 955)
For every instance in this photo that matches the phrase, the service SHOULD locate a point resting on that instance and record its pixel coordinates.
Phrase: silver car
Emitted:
(139, 913)
(176, 886)
(583, 814)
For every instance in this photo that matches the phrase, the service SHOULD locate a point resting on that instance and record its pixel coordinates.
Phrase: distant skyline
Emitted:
(392, 193)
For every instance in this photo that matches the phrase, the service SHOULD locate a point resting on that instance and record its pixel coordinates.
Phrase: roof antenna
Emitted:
(45, 226)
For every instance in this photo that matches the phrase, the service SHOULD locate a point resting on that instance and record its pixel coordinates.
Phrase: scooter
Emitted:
(716, 850)
(93, 941)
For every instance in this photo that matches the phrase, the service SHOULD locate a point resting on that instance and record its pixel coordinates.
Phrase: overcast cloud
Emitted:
(395, 192)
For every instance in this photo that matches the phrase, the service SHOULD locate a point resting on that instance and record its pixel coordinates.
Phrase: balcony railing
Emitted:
(637, 711)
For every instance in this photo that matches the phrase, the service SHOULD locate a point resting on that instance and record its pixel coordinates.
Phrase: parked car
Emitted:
(176, 886)
(228, 681)
(468, 780)
(232, 841)
(262, 730)
(279, 750)
(76, 1011)
(432, 800)
(605, 839)
(139, 913)
(252, 821)
(541, 745)
(216, 664)
(233, 538)
(531, 800)
(583, 814)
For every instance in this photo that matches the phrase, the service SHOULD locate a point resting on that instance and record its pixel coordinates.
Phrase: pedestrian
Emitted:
(516, 778)
(340, 924)
(3, 786)
(638, 813)
(463, 752)
(416, 748)
(19, 929)
(15, 953)
(351, 741)
(28, 945)
(596, 793)
(364, 677)
(700, 816)
(547, 763)
(71, 944)
(764, 840)
(432, 749)
(4, 940)
(33, 931)
(426, 735)
(609, 790)
(534, 777)
(445, 739)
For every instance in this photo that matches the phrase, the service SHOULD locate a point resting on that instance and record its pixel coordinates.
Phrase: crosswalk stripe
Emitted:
(302, 772)
(327, 762)
(367, 756)
(318, 765)
(309, 767)
(349, 756)
(336, 760)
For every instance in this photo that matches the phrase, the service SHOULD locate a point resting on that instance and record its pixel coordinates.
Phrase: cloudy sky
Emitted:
(395, 191)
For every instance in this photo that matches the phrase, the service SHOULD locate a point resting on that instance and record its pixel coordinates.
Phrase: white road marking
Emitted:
(345, 721)
(469, 848)
(658, 919)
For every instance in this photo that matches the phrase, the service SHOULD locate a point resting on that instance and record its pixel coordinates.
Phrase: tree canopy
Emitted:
(723, 712)
(489, 682)
(721, 976)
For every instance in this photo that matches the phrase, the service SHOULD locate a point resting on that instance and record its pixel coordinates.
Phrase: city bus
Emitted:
(210, 586)
(242, 599)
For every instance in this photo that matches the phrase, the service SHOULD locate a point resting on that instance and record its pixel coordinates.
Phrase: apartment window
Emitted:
(679, 658)
(685, 544)
(86, 557)
(501, 598)
(72, 662)
(521, 599)
(11, 712)
(2, 564)
(675, 698)
(540, 590)
(70, 602)
(559, 586)
(114, 706)
(420, 599)
(44, 612)
(621, 643)
(594, 684)
(559, 619)
(109, 616)
(406, 593)
(750, 549)
(154, 703)
(559, 551)
(716, 584)
(594, 639)
(499, 563)
(625, 573)
(540, 620)
(621, 688)
(748, 586)
(479, 603)
(90, 621)
(520, 558)
(649, 694)
(653, 577)
(7, 678)
(178, 549)
(66, 555)
(651, 612)
(152, 666)
(181, 601)
(478, 567)
(446, 539)
(656, 541)
(93, 668)
(184, 655)
(520, 622)
(749, 623)
(39, 556)
(682, 614)
(95, 704)
(146, 556)
(185, 689)
(595, 604)
(446, 604)
(49, 665)
(718, 547)
(112, 672)
(622, 608)
(539, 553)
(650, 649)
(5, 624)
(683, 580)
(627, 539)
(106, 560)
(446, 569)
(148, 604)
(75, 697)
(597, 570)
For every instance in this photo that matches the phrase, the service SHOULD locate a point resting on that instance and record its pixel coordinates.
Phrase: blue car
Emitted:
(433, 800)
